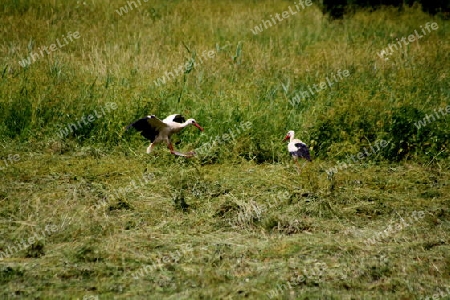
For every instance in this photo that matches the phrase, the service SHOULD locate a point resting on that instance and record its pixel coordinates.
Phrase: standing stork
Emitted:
(158, 131)
(297, 148)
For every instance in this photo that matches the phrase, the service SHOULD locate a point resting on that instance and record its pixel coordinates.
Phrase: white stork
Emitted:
(158, 131)
(297, 148)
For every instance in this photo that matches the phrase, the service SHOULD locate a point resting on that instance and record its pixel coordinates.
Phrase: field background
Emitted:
(237, 221)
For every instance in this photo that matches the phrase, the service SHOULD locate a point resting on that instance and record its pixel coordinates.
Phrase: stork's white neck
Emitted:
(185, 123)
(291, 137)
(176, 127)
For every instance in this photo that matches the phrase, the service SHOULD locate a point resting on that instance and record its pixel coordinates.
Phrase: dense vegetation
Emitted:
(339, 8)
(237, 220)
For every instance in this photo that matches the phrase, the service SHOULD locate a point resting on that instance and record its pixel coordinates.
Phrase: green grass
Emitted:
(237, 221)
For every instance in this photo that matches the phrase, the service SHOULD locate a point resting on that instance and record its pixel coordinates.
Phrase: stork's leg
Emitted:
(149, 149)
(170, 146)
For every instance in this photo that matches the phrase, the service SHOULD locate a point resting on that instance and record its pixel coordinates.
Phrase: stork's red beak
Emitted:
(198, 126)
(286, 137)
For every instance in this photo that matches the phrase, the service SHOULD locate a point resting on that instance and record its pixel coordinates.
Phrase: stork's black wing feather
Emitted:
(179, 119)
(303, 151)
(147, 131)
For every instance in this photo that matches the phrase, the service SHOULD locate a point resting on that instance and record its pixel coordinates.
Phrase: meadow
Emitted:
(85, 213)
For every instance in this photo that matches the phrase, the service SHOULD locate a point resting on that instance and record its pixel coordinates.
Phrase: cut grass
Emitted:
(249, 227)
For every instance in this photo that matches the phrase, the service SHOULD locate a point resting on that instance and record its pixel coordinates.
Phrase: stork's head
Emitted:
(193, 122)
(288, 135)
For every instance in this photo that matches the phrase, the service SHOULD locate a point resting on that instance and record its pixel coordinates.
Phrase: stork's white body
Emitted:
(291, 146)
(297, 148)
(158, 131)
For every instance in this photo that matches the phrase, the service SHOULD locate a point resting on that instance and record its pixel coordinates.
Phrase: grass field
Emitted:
(85, 213)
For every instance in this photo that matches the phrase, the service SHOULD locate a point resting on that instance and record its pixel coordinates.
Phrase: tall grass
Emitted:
(117, 58)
